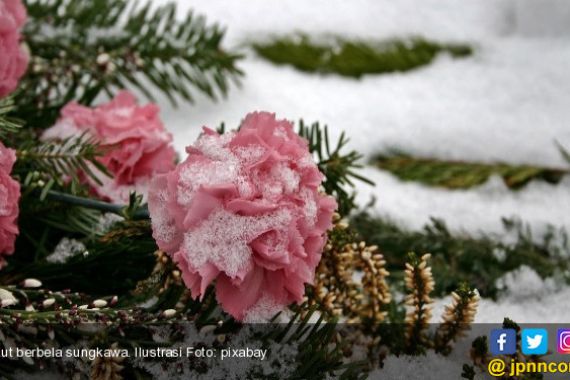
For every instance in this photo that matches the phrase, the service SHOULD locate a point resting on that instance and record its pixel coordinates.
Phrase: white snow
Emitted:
(526, 299)
(507, 102)
(223, 239)
(368, 18)
(64, 250)
(542, 18)
(476, 210)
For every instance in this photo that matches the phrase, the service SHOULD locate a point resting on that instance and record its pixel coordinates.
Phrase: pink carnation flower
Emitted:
(244, 209)
(139, 145)
(13, 59)
(9, 197)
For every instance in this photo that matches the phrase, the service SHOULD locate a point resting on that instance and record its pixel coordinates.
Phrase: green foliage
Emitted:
(355, 58)
(110, 264)
(458, 258)
(81, 48)
(45, 164)
(320, 348)
(338, 167)
(460, 174)
(7, 124)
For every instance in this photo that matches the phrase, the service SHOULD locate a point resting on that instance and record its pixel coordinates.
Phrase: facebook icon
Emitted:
(503, 342)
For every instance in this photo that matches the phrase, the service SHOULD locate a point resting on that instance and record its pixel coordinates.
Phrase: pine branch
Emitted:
(339, 167)
(8, 125)
(312, 348)
(461, 174)
(461, 257)
(319, 343)
(355, 58)
(110, 264)
(84, 47)
(45, 164)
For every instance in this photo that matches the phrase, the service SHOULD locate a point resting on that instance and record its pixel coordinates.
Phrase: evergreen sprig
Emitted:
(7, 124)
(81, 48)
(44, 164)
(463, 174)
(461, 257)
(354, 58)
(338, 166)
(110, 264)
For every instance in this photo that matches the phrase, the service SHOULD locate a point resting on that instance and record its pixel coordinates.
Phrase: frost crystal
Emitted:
(223, 239)
(65, 249)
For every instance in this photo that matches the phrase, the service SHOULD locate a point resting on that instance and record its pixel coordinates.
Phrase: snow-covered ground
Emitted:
(507, 102)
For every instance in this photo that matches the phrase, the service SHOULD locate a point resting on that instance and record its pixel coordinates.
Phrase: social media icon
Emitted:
(504, 341)
(534, 341)
(563, 345)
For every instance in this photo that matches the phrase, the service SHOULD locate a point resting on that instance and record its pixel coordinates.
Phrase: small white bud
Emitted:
(83, 307)
(169, 313)
(31, 283)
(48, 302)
(103, 59)
(99, 303)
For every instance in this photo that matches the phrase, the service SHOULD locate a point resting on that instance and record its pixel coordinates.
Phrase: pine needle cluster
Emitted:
(355, 58)
(82, 48)
(459, 257)
(463, 174)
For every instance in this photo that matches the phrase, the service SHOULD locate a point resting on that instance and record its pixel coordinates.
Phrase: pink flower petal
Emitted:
(254, 220)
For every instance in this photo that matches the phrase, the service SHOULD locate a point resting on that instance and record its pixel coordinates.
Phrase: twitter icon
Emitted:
(534, 341)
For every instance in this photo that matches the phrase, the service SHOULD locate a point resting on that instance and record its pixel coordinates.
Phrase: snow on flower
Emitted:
(13, 59)
(138, 145)
(244, 209)
(9, 197)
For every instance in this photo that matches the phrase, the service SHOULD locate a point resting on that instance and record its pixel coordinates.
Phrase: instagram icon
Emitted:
(563, 341)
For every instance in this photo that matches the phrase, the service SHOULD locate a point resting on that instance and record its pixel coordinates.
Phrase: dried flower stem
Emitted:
(419, 281)
(457, 318)
(336, 289)
(107, 368)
